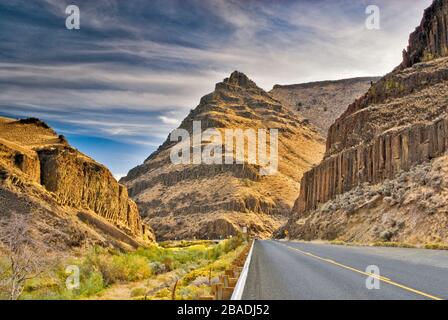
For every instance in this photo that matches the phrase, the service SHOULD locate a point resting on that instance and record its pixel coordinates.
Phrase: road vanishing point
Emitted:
(281, 270)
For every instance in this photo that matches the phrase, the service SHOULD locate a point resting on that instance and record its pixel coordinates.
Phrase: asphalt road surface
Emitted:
(302, 271)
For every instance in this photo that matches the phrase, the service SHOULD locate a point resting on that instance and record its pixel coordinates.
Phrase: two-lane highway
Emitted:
(296, 270)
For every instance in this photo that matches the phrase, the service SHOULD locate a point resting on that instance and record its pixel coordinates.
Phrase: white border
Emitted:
(239, 288)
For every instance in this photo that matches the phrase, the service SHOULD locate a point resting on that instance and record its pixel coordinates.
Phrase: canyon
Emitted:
(219, 200)
(355, 158)
(396, 132)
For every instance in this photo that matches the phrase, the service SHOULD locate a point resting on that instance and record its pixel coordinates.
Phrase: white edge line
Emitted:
(241, 283)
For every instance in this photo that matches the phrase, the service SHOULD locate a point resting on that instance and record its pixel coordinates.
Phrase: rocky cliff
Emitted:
(401, 122)
(322, 102)
(216, 200)
(430, 39)
(377, 140)
(41, 174)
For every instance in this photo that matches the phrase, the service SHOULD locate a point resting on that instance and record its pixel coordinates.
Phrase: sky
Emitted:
(122, 82)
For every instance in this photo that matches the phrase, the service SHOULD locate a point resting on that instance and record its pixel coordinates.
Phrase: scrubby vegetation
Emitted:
(430, 246)
(393, 244)
(397, 192)
(184, 243)
(393, 208)
(436, 246)
(196, 283)
(191, 263)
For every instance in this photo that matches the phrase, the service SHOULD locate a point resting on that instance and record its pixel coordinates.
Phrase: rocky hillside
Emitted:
(324, 101)
(217, 200)
(68, 199)
(371, 183)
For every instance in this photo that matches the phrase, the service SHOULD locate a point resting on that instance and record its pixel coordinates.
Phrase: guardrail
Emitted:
(231, 283)
(239, 289)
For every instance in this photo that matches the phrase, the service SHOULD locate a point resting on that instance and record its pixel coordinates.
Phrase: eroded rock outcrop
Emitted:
(383, 158)
(40, 168)
(79, 182)
(430, 39)
(217, 200)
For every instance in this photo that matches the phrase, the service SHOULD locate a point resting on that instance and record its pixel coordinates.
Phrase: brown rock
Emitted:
(213, 201)
(322, 102)
(398, 125)
(42, 175)
(430, 39)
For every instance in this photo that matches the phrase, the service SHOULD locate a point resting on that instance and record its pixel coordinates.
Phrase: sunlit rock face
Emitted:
(65, 194)
(218, 200)
(400, 123)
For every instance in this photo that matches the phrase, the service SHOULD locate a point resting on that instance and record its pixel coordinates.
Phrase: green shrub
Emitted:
(133, 267)
(393, 244)
(118, 267)
(157, 267)
(193, 292)
(101, 268)
(191, 276)
(138, 292)
(337, 242)
(91, 284)
(436, 246)
(164, 294)
(226, 246)
(185, 243)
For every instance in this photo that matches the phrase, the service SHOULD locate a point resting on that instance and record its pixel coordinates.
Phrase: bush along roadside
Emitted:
(216, 281)
(146, 273)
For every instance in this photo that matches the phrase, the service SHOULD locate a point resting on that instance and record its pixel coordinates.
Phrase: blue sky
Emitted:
(121, 83)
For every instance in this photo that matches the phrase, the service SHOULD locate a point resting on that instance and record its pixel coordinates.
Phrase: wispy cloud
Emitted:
(167, 120)
(135, 68)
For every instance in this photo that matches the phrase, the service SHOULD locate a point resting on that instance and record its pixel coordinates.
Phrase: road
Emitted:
(281, 270)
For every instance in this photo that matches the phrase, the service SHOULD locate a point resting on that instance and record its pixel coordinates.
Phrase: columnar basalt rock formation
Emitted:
(387, 155)
(217, 200)
(400, 123)
(58, 181)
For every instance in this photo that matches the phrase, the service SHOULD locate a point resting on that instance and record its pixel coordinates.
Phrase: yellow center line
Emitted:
(384, 279)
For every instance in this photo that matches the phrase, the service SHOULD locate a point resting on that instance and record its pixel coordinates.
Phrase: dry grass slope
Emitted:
(213, 201)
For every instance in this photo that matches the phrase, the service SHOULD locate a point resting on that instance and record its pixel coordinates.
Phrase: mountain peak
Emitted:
(213, 200)
(237, 79)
